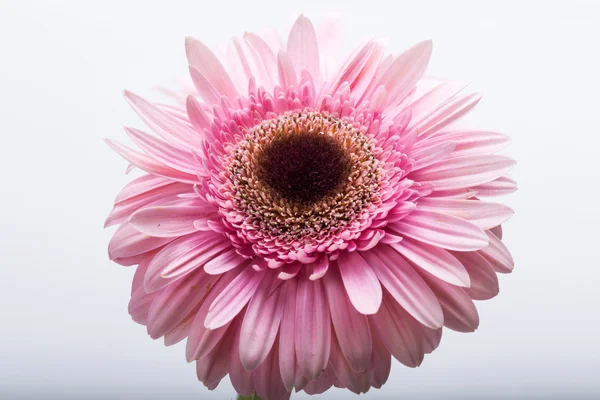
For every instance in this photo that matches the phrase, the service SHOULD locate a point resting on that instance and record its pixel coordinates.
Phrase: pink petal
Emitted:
(352, 380)
(233, 298)
(141, 185)
(434, 260)
(498, 187)
(164, 152)
(351, 327)
(425, 156)
(264, 52)
(381, 364)
(406, 70)
(431, 339)
(497, 231)
(399, 332)
(261, 324)
(302, 47)
(313, 327)
(244, 63)
(206, 91)
(241, 379)
(174, 304)
(498, 255)
(181, 257)
(287, 74)
(287, 347)
(224, 262)
(322, 384)
(468, 142)
(267, 379)
(484, 215)
(204, 60)
(441, 230)
(320, 267)
(405, 285)
(201, 341)
(361, 283)
(359, 68)
(215, 366)
(460, 313)
(198, 117)
(179, 332)
(139, 305)
(484, 282)
(172, 129)
(166, 221)
(128, 241)
(463, 172)
(150, 165)
(447, 113)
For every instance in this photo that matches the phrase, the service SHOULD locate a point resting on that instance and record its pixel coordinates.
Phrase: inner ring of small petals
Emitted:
(288, 197)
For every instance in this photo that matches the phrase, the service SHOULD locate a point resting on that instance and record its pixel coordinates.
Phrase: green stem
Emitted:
(253, 397)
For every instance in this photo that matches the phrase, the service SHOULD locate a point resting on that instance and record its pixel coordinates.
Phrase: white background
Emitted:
(64, 328)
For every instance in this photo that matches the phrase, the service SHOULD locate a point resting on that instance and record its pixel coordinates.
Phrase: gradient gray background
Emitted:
(65, 332)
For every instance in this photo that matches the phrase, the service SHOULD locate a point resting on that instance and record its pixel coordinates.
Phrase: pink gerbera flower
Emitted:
(300, 223)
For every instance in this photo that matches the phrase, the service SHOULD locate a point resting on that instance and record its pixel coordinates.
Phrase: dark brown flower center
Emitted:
(304, 167)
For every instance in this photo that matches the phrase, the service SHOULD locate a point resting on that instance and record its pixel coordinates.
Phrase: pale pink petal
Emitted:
(204, 60)
(381, 364)
(261, 324)
(484, 282)
(164, 152)
(313, 327)
(434, 260)
(287, 74)
(128, 241)
(359, 68)
(172, 129)
(320, 267)
(322, 384)
(241, 379)
(166, 221)
(352, 380)
(425, 156)
(267, 379)
(302, 47)
(498, 255)
(150, 165)
(215, 366)
(483, 214)
(173, 304)
(463, 172)
(206, 91)
(498, 187)
(447, 113)
(361, 283)
(287, 346)
(497, 231)
(441, 230)
(182, 256)
(460, 313)
(141, 185)
(468, 142)
(405, 285)
(399, 332)
(198, 117)
(233, 298)
(245, 64)
(201, 341)
(179, 332)
(406, 70)
(224, 262)
(351, 328)
(264, 52)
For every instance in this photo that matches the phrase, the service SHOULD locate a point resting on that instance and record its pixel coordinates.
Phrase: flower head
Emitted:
(300, 223)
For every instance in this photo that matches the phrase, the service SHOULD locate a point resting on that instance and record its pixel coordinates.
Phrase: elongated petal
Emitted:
(174, 304)
(204, 60)
(267, 380)
(287, 347)
(434, 260)
(498, 255)
(224, 262)
(484, 281)
(483, 214)
(399, 332)
(168, 127)
(498, 187)
(201, 341)
(261, 324)
(405, 285)
(352, 380)
(381, 364)
(166, 221)
(447, 113)
(468, 142)
(302, 47)
(233, 298)
(128, 241)
(182, 256)
(215, 366)
(241, 379)
(361, 283)
(463, 172)
(460, 313)
(351, 327)
(313, 327)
